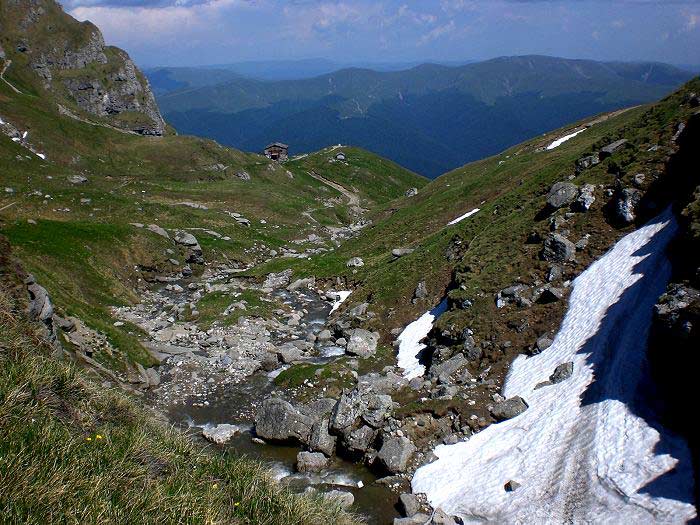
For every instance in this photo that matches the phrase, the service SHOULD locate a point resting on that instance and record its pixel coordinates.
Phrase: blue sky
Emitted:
(196, 32)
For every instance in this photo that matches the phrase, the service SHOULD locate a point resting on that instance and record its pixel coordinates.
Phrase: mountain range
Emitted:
(430, 118)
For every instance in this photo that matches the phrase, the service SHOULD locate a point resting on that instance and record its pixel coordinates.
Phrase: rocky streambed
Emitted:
(214, 376)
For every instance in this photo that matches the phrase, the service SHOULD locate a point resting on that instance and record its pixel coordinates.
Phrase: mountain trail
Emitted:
(353, 198)
(7, 64)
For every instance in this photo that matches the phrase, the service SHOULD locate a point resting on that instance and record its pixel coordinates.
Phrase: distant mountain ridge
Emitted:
(430, 118)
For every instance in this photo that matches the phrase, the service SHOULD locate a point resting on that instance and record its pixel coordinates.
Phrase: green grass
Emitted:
(72, 451)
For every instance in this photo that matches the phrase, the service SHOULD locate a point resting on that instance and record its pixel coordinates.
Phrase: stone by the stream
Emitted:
(220, 434)
(409, 504)
(416, 519)
(395, 453)
(278, 420)
(509, 408)
(343, 498)
(320, 440)
(311, 462)
(362, 343)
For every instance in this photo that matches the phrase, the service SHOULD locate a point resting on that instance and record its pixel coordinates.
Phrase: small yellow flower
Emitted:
(98, 436)
(88, 439)
(236, 504)
(215, 486)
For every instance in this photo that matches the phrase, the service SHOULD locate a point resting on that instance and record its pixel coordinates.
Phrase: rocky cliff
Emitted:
(70, 59)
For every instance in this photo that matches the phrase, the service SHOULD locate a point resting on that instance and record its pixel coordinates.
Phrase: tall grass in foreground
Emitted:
(74, 452)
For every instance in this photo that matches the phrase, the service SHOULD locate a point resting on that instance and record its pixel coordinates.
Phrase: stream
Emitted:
(213, 377)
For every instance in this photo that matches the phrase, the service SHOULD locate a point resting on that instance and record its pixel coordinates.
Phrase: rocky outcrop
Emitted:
(76, 66)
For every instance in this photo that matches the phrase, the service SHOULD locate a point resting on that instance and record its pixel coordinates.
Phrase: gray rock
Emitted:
(400, 252)
(153, 377)
(449, 367)
(611, 148)
(511, 485)
(440, 517)
(320, 439)
(360, 440)
(343, 498)
(359, 310)
(355, 262)
(278, 280)
(625, 207)
(421, 291)
(409, 504)
(509, 408)
(311, 462)
(362, 343)
(411, 192)
(558, 248)
(278, 420)
(562, 372)
(550, 294)
(377, 409)
(587, 162)
(395, 454)
(346, 412)
(585, 198)
(243, 175)
(40, 307)
(186, 239)
(77, 179)
(309, 282)
(221, 434)
(562, 194)
(324, 335)
(417, 519)
(543, 343)
(288, 353)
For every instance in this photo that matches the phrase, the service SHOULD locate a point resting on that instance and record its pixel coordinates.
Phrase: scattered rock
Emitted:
(362, 343)
(562, 372)
(511, 485)
(562, 194)
(355, 262)
(77, 179)
(278, 420)
(608, 150)
(421, 291)
(558, 248)
(417, 519)
(586, 198)
(221, 434)
(395, 454)
(411, 192)
(625, 207)
(309, 282)
(400, 252)
(587, 162)
(509, 408)
(40, 307)
(409, 504)
(311, 462)
(320, 439)
(243, 175)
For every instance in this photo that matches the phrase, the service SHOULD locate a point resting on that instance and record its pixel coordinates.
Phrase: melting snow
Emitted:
(585, 450)
(341, 296)
(563, 139)
(41, 156)
(410, 341)
(462, 217)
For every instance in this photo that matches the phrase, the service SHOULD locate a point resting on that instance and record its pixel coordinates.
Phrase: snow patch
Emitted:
(41, 156)
(563, 139)
(462, 217)
(341, 297)
(585, 451)
(410, 341)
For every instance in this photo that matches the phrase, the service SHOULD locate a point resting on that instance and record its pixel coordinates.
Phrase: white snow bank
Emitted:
(41, 156)
(1, 121)
(462, 217)
(341, 296)
(563, 139)
(410, 341)
(582, 451)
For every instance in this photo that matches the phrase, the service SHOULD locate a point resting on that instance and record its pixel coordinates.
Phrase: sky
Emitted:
(200, 32)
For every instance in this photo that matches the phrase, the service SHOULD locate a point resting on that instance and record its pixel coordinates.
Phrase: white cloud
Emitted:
(437, 32)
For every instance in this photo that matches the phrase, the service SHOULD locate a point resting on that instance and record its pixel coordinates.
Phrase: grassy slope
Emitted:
(510, 190)
(74, 452)
(85, 253)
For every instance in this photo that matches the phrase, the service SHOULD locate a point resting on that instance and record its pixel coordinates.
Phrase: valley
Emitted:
(192, 333)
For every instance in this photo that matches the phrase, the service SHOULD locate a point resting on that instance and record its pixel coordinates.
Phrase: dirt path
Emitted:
(353, 198)
(7, 64)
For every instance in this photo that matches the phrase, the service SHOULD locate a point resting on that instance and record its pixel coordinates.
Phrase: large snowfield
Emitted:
(586, 450)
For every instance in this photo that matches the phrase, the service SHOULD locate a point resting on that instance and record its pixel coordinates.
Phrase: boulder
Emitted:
(625, 207)
(562, 194)
(77, 179)
(449, 367)
(346, 412)
(324, 335)
(409, 504)
(40, 307)
(278, 280)
(220, 434)
(511, 485)
(243, 175)
(417, 519)
(278, 420)
(611, 148)
(288, 353)
(342, 498)
(411, 192)
(186, 239)
(558, 248)
(355, 262)
(395, 454)
(551, 294)
(377, 409)
(509, 408)
(421, 291)
(587, 162)
(562, 372)
(440, 517)
(543, 343)
(400, 252)
(585, 198)
(311, 462)
(320, 439)
(309, 282)
(360, 440)
(362, 343)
